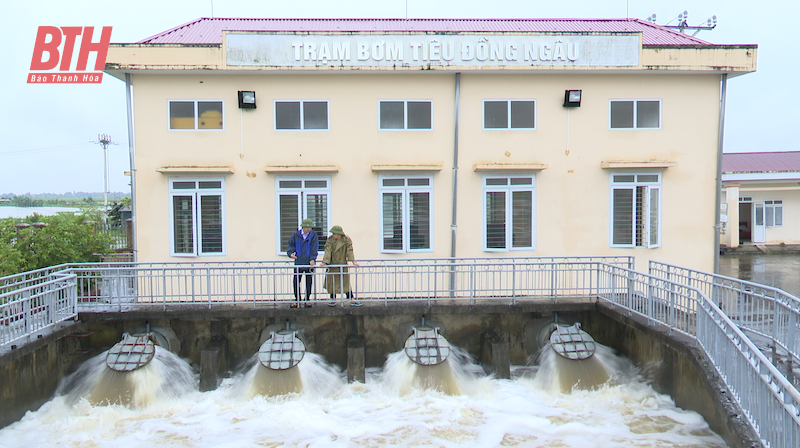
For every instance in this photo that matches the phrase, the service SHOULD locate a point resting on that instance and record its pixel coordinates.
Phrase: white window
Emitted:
(197, 216)
(406, 213)
(301, 115)
(405, 115)
(195, 115)
(636, 210)
(774, 213)
(509, 210)
(509, 114)
(635, 114)
(298, 199)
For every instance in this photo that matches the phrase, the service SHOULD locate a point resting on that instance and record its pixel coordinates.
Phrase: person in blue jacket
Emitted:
(302, 248)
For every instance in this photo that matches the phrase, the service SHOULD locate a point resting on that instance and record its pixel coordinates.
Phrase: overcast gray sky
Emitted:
(45, 129)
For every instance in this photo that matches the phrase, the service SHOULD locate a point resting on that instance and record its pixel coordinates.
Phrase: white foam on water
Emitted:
(163, 377)
(330, 413)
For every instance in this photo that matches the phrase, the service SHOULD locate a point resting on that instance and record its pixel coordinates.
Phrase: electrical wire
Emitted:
(69, 147)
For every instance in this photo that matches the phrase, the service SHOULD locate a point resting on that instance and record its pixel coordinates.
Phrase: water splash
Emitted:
(311, 376)
(452, 377)
(165, 377)
(331, 413)
(557, 373)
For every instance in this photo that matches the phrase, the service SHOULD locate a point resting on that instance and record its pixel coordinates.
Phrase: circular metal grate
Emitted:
(282, 350)
(572, 342)
(131, 353)
(427, 347)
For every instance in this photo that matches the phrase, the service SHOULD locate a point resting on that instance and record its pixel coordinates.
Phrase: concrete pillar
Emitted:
(494, 356)
(356, 354)
(210, 362)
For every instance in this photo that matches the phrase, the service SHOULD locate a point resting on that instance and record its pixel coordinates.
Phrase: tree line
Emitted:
(53, 240)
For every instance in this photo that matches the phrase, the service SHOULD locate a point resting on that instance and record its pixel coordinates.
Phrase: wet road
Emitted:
(776, 270)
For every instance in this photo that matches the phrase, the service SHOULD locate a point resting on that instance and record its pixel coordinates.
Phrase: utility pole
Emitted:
(104, 140)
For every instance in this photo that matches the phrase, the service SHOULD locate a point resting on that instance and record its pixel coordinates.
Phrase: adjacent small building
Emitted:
(427, 138)
(762, 198)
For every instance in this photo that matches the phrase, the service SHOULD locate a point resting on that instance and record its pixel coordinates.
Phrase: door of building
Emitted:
(759, 229)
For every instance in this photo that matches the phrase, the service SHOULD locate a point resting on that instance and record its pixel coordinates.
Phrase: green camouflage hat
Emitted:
(306, 223)
(337, 229)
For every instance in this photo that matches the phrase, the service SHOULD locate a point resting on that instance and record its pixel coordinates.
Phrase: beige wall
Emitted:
(572, 193)
(789, 193)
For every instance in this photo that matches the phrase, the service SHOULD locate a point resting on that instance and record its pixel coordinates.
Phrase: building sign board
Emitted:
(425, 50)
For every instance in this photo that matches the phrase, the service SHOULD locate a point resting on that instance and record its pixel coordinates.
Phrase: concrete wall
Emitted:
(673, 365)
(30, 374)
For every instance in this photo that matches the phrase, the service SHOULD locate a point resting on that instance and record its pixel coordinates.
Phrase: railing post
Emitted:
(630, 287)
(513, 283)
(472, 284)
(26, 311)
(793, 338)
(650, 307)
(208, 286)
(73, 292)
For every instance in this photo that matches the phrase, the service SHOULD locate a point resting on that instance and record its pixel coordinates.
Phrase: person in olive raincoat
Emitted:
(338, 251)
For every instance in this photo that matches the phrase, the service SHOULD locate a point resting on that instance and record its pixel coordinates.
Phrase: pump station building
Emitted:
(427, 138)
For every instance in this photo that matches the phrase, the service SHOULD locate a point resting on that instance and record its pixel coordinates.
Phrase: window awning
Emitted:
(636, 164)
(436, 166)
(301, 168)
(532, 166)
(195, 169)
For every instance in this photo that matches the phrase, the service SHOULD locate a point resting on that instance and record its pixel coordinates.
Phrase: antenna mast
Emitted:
(683, 23)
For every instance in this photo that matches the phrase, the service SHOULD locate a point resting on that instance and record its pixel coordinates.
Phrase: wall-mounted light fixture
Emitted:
(247, 99)
(572, 98)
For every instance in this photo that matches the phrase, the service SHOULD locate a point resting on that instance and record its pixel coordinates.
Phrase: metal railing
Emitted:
(117, 231)
(672, 298)
(770, 313)
(32, 304)
(768, 399)
(123, 286)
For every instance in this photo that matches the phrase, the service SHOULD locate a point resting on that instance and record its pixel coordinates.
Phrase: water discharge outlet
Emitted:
(283, 350)
(426, 346)
(572, 342)
(131, 353)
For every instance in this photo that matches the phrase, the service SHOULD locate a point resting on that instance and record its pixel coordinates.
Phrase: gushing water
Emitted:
(165, 377)
(403, 375)
(562, 374)
(312, 375)
(330, 413)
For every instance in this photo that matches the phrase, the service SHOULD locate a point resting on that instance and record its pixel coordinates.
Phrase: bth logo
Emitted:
(46, 55)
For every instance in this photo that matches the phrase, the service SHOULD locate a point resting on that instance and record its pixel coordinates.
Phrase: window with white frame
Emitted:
(405, 115)
(509, 114)
(773, 211)
(406, 213)
(195, 115)
(298, 199)
(636, 210)
(509, 211)
(635, 114)
(301, 115)
(197, 216)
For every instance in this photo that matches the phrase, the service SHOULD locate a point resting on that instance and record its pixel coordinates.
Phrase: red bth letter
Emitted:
(50, 47)
(100, 47)
(69, 43)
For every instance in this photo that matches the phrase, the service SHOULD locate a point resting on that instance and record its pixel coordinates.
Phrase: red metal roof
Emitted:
(209, 31)
(761, 162)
